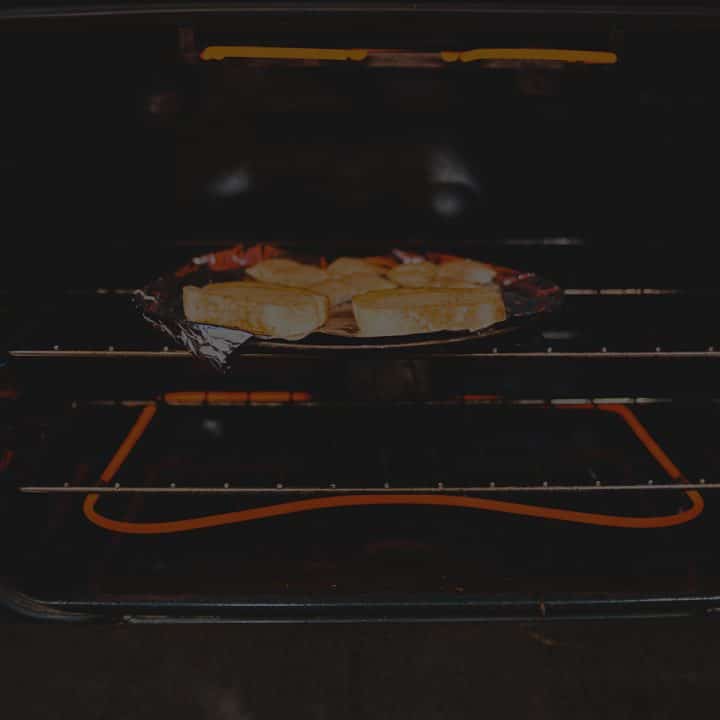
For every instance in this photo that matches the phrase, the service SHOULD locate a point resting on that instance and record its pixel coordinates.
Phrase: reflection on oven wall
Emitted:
(454, 189)
(337, 157)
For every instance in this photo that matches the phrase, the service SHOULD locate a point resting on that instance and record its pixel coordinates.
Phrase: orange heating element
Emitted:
(337, 501)
(256, 52)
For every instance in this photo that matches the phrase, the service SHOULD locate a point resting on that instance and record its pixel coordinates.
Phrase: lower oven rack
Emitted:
(620, 406)
(573, 571)
(337, 494)
(440, 489)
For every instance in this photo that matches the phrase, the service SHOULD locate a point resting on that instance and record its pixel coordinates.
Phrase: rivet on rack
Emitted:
(111, 348)
(492, 483)
(549, 349)
(386, 485)
(279, 486)
(658, 349)
(545, 483)
(650, 482)
(441, 485)
(333, 486)
(172, 485)
(702, 481)
(597, 483)
(66, 484)
(56, 347)
(117, 485)
(166, 348)
(226, 485)
(603, 349)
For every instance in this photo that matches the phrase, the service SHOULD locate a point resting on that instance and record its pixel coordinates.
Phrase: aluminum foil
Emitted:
(525, 294)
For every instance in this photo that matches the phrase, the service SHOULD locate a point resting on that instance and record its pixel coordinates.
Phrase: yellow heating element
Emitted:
(253, 52)
(224, 52)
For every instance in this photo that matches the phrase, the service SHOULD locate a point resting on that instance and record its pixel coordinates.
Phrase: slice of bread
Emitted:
(343, 289)
(406, 311)
(450, 283)
(289, 273)
(279, 312)
(466, 271)
(414, 275)
(352, 266)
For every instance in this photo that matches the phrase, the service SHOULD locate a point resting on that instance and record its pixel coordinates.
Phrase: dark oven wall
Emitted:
(128, 154)
(87, 180)
(526, 473)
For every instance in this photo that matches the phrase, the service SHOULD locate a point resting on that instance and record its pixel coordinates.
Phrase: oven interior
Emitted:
(566, 468)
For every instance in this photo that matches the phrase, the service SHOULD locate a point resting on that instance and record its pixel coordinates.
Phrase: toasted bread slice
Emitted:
(343, 289)
(289, 273)
(466, 271)
(288, 313)
(352, 266)
(450, 283)
(406, 311)
(414, 275)
(245, 282)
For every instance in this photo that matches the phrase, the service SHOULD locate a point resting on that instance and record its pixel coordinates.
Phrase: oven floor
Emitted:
(455, 556)
(624, 670)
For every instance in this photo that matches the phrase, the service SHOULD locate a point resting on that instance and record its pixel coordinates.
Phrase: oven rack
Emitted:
(290, 398)
(593, 324)
(593, 486)
(571, 291)
(549, 351)
(592, 482)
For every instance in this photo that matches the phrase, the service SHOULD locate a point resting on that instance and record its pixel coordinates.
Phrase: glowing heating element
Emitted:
(588, 57)
(235, 397)
(297, 506)
(255, 52)
(224, 52)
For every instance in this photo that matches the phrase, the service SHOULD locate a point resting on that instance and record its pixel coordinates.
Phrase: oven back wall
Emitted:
(129, 155)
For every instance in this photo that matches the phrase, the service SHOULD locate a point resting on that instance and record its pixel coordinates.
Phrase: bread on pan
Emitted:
(288, 313)
(466, 271)
(351, 266)
(407, 311)
(450, 283)
(281, 271)
(417, 275)
(339, 290)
